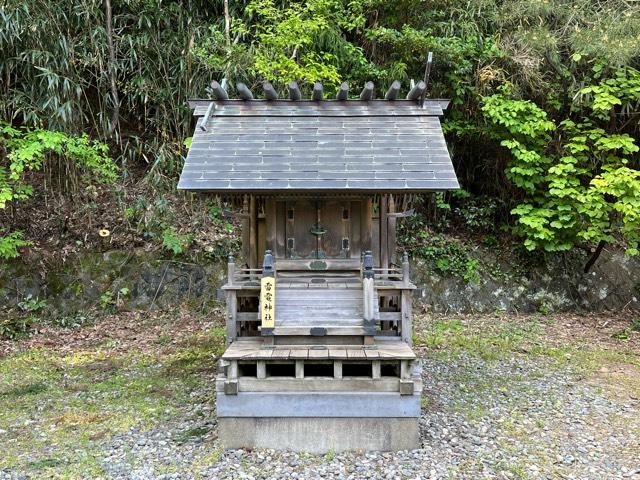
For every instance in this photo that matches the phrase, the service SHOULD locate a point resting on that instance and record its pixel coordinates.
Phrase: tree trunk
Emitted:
(227, 23)
(111, 68)
(595, 256)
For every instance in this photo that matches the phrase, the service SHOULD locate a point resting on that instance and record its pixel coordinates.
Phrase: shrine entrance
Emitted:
(320, 234)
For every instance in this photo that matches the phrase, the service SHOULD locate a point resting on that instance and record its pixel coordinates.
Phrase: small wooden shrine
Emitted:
(319, 316)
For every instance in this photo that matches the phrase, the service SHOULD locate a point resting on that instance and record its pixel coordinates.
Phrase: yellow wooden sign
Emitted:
(268, 301)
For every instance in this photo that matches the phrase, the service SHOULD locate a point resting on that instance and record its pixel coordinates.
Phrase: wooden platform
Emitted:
(254, 349)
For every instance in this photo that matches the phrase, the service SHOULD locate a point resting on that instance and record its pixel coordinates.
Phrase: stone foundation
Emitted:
(319, 435)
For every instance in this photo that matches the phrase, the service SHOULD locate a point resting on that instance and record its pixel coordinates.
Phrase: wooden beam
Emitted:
(318, 384)
(207, 115)
(416, 92)
(269, 92)
(243, 91)
(317, 94)
(294, 91)
(219, 92)
(367, 91)
(343, 92)
(393, 91)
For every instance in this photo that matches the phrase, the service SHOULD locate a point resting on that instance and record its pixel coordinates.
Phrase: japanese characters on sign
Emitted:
(268, 301)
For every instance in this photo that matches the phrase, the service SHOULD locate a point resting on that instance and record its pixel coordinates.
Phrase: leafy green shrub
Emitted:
(580, 186)
(76, 320)
(31, 304)
(175, 242)
(10, 243)
(25, 150)
(15, 326)
(444, 255)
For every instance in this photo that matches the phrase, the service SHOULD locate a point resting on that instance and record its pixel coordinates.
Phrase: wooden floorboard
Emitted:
(252, 349)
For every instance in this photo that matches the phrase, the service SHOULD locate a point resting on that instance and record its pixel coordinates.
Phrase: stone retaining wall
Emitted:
(154, 281)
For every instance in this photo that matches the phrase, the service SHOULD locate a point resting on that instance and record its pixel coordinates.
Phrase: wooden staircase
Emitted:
(319, 311)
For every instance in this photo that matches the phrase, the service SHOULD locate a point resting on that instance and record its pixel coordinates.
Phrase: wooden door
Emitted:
(321, 233)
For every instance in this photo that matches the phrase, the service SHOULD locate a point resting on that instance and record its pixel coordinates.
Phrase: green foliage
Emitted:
(443, 255)
(31, 304)
(109, 301)
(570, 68)
(10, 243)
(15, 326)
(33, 150)
(175, 242)
(581, 186)
(77, 158)
(75, 320)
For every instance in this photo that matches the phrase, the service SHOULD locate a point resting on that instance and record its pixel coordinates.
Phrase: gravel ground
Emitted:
(511, 418)
(515, 415)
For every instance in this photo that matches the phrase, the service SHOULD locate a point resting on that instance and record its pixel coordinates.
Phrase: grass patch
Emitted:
(54, 406)
(500, 338)
(22, 390)
(491, 342)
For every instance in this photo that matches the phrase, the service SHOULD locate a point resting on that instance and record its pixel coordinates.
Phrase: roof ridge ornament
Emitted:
(427, 72)
(393, 91)
(219, 91)
(343, 92)
(243, 91)
(269, 92)
(367, 92)
(294, 91)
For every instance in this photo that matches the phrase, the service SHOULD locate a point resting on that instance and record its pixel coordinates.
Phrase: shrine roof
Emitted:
(261, 146)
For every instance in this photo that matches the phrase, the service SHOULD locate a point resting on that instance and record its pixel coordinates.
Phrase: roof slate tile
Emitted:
(363, 146)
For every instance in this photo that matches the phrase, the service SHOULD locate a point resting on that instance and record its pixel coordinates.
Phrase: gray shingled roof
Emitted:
(307, 146)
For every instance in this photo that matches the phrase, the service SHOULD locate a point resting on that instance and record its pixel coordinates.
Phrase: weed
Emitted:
(175, 242)
(195, 432)
(30, 304)
(164, 339)
(15, 326)
(23, 390)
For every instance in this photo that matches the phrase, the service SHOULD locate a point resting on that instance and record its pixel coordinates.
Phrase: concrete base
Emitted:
(319, 435)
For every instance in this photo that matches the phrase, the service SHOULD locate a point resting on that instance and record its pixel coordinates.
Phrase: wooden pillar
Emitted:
(253, 232)
(232, 308)
(366, 224)
(391, 231)
(406, 280)
(246, 227)
(261, 369)
(406, 325)
(384, 228)
(375, 369)
(337, 369)
(231, 270)
(270, 224)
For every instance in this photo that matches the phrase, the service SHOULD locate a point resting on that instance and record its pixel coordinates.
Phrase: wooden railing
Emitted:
(241, 275)
(394, 274)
